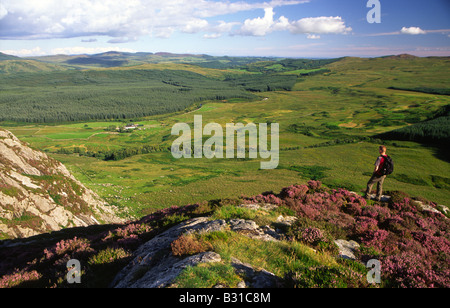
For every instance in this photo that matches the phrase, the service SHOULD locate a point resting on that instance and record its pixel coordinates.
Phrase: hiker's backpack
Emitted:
(388, 167)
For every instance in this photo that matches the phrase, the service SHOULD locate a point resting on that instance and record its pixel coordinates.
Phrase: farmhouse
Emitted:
(131, 126)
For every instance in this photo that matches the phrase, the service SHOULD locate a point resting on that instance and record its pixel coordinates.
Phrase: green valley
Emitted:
(330, 115)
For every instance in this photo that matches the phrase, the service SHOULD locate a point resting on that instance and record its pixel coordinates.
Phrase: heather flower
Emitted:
(314, 185)
(364, 224)
(74, 245)
(18, 278)
(132, 229)
(375, 238)
(432, 243)
(414, 246)
(311, 235)
(353, 209)
(410, 270)
(294, 191)
(369, 211)
(309, 211)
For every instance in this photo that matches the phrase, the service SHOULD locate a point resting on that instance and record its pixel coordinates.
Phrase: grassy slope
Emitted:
(27, 66)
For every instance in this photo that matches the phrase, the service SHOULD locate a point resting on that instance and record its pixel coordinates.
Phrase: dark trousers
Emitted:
(379, 180)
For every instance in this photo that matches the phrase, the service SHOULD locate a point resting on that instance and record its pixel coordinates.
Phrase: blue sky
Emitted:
(284, 28)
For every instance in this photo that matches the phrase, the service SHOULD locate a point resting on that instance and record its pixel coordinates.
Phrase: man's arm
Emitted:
(377, 164)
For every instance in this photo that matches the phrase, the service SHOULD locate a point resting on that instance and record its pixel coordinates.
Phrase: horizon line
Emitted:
(205, 54)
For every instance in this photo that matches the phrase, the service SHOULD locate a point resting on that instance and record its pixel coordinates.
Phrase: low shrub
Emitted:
(109, 255)
(311, 235)
(187, 245)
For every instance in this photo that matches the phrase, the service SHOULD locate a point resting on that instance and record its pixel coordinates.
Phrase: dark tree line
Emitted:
(433, 131)
(264, 83)
(103, 95)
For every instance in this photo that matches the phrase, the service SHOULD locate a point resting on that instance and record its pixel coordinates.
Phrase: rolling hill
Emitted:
(18, 65)
(125, 59)
(4, 57)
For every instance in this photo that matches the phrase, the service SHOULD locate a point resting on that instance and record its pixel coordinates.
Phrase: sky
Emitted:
(273, 28)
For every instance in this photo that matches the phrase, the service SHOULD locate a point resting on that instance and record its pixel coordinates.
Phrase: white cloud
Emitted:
(120, 20)
(212, 36)
(313, 36)
(76, 50)
(126, 21)
(412, 31)
(310, 26)
(259, 26)
(320, 25)
(207, 8)
(3, 11)
(195, 26)
(37, 51)
(282, 24)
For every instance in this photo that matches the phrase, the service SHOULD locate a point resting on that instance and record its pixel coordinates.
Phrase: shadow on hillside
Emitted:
(101, 249)
(16, 252)
(22, 257)
(441, 152)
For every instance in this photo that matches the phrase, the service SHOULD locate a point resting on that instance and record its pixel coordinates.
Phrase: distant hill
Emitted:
(18, 65)
(4, 57)
(125, 59)
(117, 59)
(402, 56)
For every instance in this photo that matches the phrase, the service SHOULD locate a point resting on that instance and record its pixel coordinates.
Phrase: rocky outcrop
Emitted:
(155, 266)
(38, 194)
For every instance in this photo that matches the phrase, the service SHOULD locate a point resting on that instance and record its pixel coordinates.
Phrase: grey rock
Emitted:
(243, 225)
(286, 220)
(383, 198)
(255, 278)
(444, 209)
(265, 206)
(154, 266)
(440, 209)
(347, 249)
(252, 230)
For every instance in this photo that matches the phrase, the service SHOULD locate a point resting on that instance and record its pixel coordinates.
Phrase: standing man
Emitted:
(378, 176)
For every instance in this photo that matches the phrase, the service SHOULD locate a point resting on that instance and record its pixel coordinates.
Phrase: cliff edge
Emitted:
(38, 194)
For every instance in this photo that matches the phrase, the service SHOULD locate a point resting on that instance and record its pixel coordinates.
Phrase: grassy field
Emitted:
(325, 125)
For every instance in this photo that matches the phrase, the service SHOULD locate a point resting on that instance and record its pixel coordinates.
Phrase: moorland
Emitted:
(332, 113)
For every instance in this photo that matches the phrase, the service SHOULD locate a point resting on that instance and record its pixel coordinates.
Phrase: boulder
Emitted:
(347, 249)
(255, 278)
